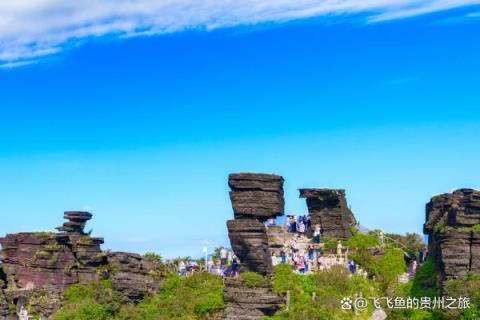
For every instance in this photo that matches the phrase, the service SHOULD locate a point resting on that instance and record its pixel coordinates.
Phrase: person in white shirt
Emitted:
(223, 256)
(274, 259)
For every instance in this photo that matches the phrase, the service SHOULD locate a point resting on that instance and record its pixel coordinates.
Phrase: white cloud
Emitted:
(30, 29)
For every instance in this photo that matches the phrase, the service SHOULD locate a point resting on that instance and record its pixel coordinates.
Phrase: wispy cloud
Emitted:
(31, 29)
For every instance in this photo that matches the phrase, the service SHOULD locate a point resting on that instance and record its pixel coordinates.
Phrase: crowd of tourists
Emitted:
(223, 264)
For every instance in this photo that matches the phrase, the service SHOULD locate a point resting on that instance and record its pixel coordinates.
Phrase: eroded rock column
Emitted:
(451, 224)
(255, 198)
(328, 207)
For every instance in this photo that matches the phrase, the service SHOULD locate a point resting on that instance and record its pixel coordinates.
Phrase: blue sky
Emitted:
(143, 131)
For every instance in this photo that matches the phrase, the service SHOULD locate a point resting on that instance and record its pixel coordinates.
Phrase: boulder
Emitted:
(76, 221)
(256, 195)
(329, 208)
(134, 275)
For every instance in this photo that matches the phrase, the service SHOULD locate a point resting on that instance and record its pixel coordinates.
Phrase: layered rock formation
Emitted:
(36, 265)
(453, 227)
(134, 275)
(76, 221)
(255, 198)
(249, 303)
(329, 208)
(250, 244)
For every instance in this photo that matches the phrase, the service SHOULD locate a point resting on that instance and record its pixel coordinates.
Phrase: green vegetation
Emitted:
(410, 242)
(384, 264)
(318, 296)
(313, 296)
(362, 241)
(95, 301)
(329, 243)
(252, 279)
(425, 283)
(466, 287)
(197, 297)
(154, 257)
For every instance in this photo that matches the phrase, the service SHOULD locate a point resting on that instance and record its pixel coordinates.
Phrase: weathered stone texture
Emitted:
(475, 252)
(250, 244)
(134, 275)
(76, 221)
(277, 236)
(329, 208)
(255, 198)
(450, 223)
(245, 303)
(37, 267)
(256, 195)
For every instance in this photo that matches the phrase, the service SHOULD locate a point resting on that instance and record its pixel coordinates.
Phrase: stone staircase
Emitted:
(279, 238)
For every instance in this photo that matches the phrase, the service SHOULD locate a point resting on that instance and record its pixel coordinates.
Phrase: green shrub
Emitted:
(252, 279)
(199, 296)
(465, 287)
(318, 296)
(425, 283)
(153, 257)
(362, 241)
(385, 268)
(96, 298)
(84, 310)
(329, 243)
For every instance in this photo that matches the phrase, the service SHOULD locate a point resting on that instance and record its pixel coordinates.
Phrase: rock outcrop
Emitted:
(255, 195)
(453, 228)
(76, 221)
(39, 264)
(36, 265)
(255, 198)
(329, 208)
(249, 303)
(250, 244)
(134, 275)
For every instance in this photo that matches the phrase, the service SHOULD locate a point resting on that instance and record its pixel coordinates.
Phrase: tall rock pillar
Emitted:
(451, 223)
(255, 198)
(328, 207)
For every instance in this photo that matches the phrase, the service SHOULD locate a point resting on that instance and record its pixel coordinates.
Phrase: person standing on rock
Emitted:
(293, 225)
(381, 237)
(223, 256)
(234, 268)
(413, 268)
(310, 253)
(210, 265)
(301, 228)
(317, 234)
(274, 259)
(339, 249)
(182, 268)
(283, 256)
